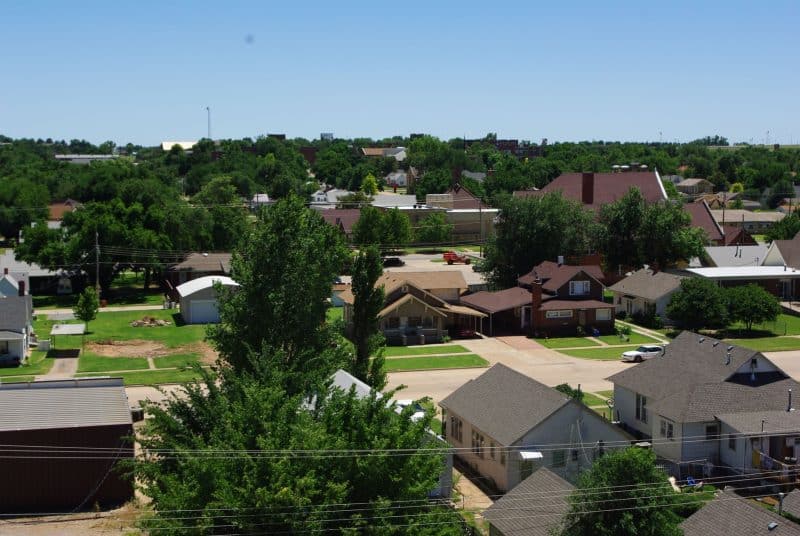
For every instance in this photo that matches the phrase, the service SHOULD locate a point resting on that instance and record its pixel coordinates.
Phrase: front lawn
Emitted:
(435, 362)
(606, 394)
(89, 362)
(334, 313)
(768, 344)
(603, 354)
(593, 400)
(150, 377)
(567, 342)
(36, 365)
(116, 327)
(16, 379)
(783, 325)
(176, 361)
(396, 351)
(634, 338)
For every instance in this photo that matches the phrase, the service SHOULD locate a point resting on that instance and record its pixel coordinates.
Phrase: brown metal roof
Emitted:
(703, 219)
(502, 300)
(344, 218)
(608, 187)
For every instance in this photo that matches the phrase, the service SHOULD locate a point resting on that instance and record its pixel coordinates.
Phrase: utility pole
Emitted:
(208, 111)
(97, 262)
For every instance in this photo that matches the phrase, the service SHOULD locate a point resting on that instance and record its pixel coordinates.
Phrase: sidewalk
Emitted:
(645, 331)
(109, 309)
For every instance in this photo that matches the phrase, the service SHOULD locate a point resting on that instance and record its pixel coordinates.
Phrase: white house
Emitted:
(199, 300)
(645, 292)
(16, 326)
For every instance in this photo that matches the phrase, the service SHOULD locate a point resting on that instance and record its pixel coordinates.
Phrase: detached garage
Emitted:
(198, 299)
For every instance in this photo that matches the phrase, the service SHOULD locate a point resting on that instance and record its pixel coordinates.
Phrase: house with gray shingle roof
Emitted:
(730, 514)
(645, 291)
(503, 422)
(518, 514)
(690, 398)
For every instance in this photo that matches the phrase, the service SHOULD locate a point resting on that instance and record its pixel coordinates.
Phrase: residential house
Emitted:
(508, 311)
(57, 210)
(535, 507)
(784, 253)
(503, 422)
(396, 178)
(420, 307)
(38, 280)
(197, 265)
(719, 200)
(780, 281)
(398, 153)
(199, 301)
(695, 186)
(16, 325)
(791, 503)
(336, 294)
(457, 197)
(675, 399)
(597, 189)
(258, 201)
(737, 236)
(752, 222)
(722, 256)
(702, 218)
(342, 218)
(645, 292)
(729, 514)
(87, 416)
(327, 198)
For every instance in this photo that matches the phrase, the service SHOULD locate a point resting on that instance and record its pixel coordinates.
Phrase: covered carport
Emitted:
(66, 329)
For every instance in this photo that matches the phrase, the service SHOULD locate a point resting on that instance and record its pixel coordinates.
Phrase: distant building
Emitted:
(85, 158)
(185, 145)
(326, 136)
(695, 186)
(752, 222)
(594, 190)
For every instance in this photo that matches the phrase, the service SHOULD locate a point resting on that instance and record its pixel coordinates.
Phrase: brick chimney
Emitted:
(536, 294)
(21, 285)
(587, 188)
(5, 271)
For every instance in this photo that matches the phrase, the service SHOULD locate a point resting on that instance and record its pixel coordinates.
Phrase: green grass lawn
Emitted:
(89, 362)
(566, 342)
(593, 400)
(22, 379)
(606, 394)
(768, 344)
(604, 411)
(436, 421)
(784, 325)
(36, 364)
(177, 360)
(151, 377)
(116, 327)
(334, 313)
(635, 338)
(396, 351)
(125, 290)
(605, 354)
(437, 362)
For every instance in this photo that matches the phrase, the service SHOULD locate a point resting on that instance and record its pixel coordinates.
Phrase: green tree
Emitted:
(368, 302)
(624, 493)
(784, 229)
(284, 266)
(354, 200)
(699, 303)
(396, 231)
(434, 229)
(87, 306)
(751, 304)
(370, 185)
(672, 191)
(220, 200)
(620, 224)
(666, 235)
(368, 229)
(532, 230)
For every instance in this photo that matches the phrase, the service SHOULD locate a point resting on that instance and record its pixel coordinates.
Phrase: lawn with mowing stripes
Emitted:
(397, 351)
(149, 377)
(567, 342)
(435, 362)
(592, 400)
(89, 362)
(634, 338)
(604, 354)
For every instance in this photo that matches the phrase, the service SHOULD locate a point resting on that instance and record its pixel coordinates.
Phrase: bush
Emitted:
(580, 331)
(648, 320)
(622, 315)
(624, 332)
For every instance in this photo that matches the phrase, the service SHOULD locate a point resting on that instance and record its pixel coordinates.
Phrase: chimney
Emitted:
(780, 503)
(536, 295)
(789, 408)
(587, 188)
(5, 271)
(21, 288)
(560, 260)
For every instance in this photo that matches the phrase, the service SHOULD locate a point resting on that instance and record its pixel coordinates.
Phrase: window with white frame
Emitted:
(641, 408)
(667, 429)
(731, 441)
(558, 314)
(602, 314)
(579, 288)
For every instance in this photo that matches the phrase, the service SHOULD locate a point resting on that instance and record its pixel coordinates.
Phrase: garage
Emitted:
(199, 301)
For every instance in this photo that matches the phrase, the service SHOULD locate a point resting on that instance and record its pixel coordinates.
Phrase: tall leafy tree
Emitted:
(624, 493)
(368, 302)
(368, 229)
(751, 304)
(396, 229)
(785, 229)
(434, 229)
(620, 223)
(699, 303)
(228, 218)
(666, 235)
(87, 306)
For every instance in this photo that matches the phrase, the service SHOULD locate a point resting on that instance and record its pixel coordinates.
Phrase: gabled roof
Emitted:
(504, 403)
(692, 182)
(15, 312)
(791, 503)
(203, 283)
(608, 187)
(722, 256)
(502, 300)
(789, 250)
(64, 404)
(645, 284)
(344, 218)
(535, 507)
(463, 198)
(205, 262)
(565, 273)
(427, 281)
(703, 219)
(737, 235)
(730, 514)
(547, 270)
(406, 299)
(767, 421)
(736, 216)
(8, 260)
(59, 208)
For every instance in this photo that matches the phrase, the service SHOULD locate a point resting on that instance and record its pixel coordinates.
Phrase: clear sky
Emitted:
(145, 71)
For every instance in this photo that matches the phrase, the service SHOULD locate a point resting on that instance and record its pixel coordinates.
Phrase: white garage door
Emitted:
(204, 311)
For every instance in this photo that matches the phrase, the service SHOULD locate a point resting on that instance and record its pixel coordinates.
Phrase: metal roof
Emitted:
(202, 283)
(746, 272)
(64, 404)
(11, 336)
(68, 329)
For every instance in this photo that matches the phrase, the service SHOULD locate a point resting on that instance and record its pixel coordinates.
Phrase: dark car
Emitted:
(393, 261)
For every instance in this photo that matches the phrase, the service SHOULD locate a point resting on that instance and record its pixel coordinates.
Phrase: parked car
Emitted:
(419, 411)
(451, 256)
(642, 353)
(393, 261)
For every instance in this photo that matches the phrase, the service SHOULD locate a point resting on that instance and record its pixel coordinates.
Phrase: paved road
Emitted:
(418, 262)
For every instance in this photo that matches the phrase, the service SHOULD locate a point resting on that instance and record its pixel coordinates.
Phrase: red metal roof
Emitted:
(702, 218)
(608, 187)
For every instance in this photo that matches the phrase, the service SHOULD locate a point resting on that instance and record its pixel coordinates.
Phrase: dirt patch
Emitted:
(131, 348)
(208, 356)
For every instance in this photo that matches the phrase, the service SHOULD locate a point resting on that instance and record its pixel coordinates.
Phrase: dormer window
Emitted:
(578, 288)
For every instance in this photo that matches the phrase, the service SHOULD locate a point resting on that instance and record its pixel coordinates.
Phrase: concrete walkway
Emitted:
(109, 309)
(645, 331)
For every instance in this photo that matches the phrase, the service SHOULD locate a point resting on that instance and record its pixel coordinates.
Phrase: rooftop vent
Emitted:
(730, 348)
(701, 340)
(715, 344)
(728, 359)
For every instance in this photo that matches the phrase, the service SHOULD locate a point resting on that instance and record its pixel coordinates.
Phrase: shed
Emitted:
(86, 425)
(199, 300)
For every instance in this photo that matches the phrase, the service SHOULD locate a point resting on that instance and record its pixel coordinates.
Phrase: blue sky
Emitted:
(145, 71)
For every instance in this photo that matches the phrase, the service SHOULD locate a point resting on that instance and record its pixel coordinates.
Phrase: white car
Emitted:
(642, 353)
(419, 411)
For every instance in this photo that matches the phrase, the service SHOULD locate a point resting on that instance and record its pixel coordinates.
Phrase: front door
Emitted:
(581, 318)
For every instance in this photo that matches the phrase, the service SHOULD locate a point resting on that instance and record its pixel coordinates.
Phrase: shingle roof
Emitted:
(64, 404)
(729, 514)
(502, 300)
(608, 187)
(737, 235)
(648, 285)
(791, 503)
(564, 273)
(692, 182)
(463, 198)
(205, 262)
(504, 403)
(735, 216)
(546, 270)
(346, 217)
(15, 312)
(737, 255)
(554, 304)
(768, 421)
(534, 507)
(703, 219)
(790, 251)
(440, 279)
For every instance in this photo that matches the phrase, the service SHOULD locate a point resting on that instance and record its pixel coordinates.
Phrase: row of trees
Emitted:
(628, 232)
(392, 229)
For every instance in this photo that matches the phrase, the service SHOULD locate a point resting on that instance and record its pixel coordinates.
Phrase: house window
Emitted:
(578, 288)
(491, 449)
(414, 321)
(667, 429)
(455, 428)
(477, 443)
(731, 441)
(558, 314)
(502, 457)
(427, 322)
(602, 314)
(712, 432)
(641, 407)
(393, 322)
(3, 347)
(559, 458)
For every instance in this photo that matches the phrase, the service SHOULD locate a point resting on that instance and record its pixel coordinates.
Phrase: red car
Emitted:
(451, 256)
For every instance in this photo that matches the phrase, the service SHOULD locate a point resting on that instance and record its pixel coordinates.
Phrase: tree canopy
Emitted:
(699, 303)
